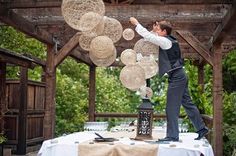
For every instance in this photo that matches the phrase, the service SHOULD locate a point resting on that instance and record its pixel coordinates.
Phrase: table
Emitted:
(68, 145)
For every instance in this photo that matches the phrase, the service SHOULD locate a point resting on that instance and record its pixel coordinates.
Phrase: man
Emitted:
(171, 63)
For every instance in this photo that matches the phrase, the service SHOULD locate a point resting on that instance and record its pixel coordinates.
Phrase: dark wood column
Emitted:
(217, 102)
(50, 79)
(21, 146)
(2, 94)
(92, 92)
(201, 76)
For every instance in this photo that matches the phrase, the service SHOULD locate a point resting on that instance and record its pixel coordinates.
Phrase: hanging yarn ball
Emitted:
(146, 48)
(103, 62)
(85, 40)
(149, 65)
(113, 29)
(132, 77)
(73, 10)
(128, 34)
(146, 92)
(89, 21)
(128, 57)
(98, 30)
(102, 47)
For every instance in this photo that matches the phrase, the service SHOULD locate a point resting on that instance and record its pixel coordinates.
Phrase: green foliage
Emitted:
(201, 97)
(71, 104)
(229, 103)
(18, 42)
(229, 72)
(159, 86)
(111, 96)
(229, 138)
(71, 97)
(229, 112)
(2, 138)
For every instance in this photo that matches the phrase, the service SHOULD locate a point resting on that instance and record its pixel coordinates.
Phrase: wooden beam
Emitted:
(13, 4)
(36, 60)
(201, 75)
(221, 26)
(13, 58)
(2, 95)
(67, 48)
(92, 92)
(22, 124)
(229, 25)
(180, 13)
(196, 44)
(50, 105)
(148, 13)
(22, 4)
(82, 57)
(217, 103)
(181, 1)
(15, 20)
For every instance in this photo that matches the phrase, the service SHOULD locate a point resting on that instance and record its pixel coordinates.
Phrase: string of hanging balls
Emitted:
(99, 33)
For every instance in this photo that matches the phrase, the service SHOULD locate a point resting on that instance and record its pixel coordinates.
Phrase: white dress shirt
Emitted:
(161, 41)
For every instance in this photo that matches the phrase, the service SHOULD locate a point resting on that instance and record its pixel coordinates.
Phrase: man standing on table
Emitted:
(171, 63)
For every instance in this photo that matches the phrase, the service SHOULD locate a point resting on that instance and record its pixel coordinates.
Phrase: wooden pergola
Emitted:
(205, 29)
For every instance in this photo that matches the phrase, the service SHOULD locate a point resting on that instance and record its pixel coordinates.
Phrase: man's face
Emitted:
(157, 29)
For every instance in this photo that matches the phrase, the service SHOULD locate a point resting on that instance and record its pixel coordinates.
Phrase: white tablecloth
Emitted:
(68, 145)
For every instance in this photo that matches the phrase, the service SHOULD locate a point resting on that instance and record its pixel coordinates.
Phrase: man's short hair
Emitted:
(165, 25)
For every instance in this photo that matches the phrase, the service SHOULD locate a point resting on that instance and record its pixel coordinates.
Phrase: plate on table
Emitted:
(105, 139)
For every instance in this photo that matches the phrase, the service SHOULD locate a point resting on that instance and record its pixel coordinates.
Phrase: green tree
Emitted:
(18, 42)
(71, 104)
(229, 72)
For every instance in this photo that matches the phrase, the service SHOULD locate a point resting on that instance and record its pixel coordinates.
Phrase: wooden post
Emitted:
(217, 103)
(21, 145)
(50, 78)
(201, 76)
(2, 94)
(92, 92)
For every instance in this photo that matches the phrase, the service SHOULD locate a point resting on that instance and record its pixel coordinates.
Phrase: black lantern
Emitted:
(145, 116)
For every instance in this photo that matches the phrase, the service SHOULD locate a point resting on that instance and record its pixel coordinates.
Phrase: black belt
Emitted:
(171, 71)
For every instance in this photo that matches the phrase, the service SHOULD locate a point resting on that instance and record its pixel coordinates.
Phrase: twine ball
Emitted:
(149, 65)
(146, 48)
(73, 10)
(102, 47)
(89, 21)
(149, 48)
(98, 30)
(113, 29)
(146, 92)
(103, 62)
(128, 57)
(128, 34)
(132, 77)
(138, 45)
(85, 40)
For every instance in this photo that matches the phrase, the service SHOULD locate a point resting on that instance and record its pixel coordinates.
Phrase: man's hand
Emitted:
(133, 20)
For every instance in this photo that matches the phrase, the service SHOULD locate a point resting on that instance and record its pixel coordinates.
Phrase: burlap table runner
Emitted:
(100, 149)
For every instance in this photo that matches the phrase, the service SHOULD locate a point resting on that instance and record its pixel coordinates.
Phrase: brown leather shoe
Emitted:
(201, 133)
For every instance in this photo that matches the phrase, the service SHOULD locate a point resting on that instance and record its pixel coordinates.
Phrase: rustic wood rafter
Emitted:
(11, 18)
(67, 48)
(230, 13)
(196, 44)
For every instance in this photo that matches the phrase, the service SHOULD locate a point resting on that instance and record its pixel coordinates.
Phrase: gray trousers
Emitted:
(178, 95)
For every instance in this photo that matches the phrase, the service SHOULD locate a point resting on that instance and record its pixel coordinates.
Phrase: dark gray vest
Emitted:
(170, 59)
